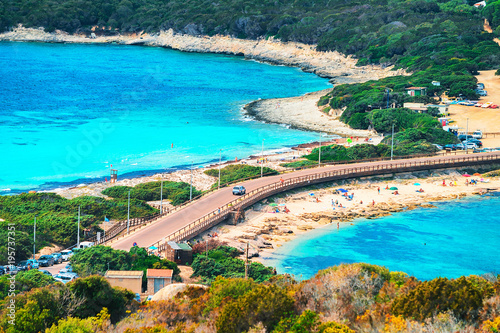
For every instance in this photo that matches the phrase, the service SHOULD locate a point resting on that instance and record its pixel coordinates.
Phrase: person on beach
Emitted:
(387, 187)
(444, 182)
(336, 202)
(340, 206)
(219, 210)
(373, 202)
(333, 203)
(361, 202)
(338, 225)
(378, 189)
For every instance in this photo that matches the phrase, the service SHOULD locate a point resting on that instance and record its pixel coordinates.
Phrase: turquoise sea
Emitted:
(68, 111)
(457, 238)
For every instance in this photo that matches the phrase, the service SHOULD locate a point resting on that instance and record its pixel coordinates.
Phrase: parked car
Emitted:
(460, 146)
(463, 137)
(66, 254)
(478, 143)
(57, 257)
(239, 190)
(64, 278)
(478, 134)
(2, 270)
(34, 263)
(46, 272)
(46, 260)
(482, 93)
(450, 147)
(438, 146)
(67, 269)
(480, 86)
(11, 269)
(84, 245)
(137, 297)
(23, 265)
(469, 145)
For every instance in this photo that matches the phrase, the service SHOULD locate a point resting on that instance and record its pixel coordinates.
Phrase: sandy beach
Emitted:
(310, 208)
(302, 112)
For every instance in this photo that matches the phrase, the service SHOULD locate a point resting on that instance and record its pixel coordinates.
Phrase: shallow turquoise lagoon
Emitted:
(68, 111)
(457, 238)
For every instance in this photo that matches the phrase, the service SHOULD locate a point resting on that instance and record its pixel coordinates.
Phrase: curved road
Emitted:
(207, 204)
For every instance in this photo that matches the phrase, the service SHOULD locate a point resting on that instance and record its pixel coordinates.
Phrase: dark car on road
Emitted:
(57, 258)
(23, 265)
(239, 190)
(450, 146)
(46, 260)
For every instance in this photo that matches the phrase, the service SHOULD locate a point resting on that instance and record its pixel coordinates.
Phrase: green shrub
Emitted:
(232, 173)
(440, 295)
(176, 192)
(298, 164)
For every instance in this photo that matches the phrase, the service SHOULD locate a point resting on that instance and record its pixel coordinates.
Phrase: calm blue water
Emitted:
(69, 111)
(456, 238)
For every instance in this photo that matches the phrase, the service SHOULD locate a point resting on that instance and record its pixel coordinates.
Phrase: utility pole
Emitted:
(262, 160)
(128, 213)
(191, 185)
(161, 195)
(206, 247)
(34, 238)
(467, 136)
(319, 158)
(392, 141)
(246, 263)
(78, 233)
(220, 161)
(387, 91)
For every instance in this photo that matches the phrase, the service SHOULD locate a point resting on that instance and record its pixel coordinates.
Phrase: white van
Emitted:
(66, 254)
(84, 245)
(477, 134)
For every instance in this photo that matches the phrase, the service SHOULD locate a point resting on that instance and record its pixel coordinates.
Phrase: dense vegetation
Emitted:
(341, 299)
(222, 261)
(367, 151)
(232, 173)
(415, 34)
(57, 218)
(176, 192)
(40, 308)
(99, 259)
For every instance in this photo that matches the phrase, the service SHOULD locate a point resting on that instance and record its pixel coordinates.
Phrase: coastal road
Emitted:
(207, 204)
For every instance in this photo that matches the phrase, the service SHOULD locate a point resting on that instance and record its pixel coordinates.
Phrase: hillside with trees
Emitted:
(341, 299)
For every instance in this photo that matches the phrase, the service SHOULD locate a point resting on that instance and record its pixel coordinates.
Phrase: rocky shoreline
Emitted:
(332, 65)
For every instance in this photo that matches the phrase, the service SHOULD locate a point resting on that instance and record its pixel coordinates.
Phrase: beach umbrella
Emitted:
(311, 194)
(282, 205)
(342, 190)
(477, 174)
(417, 184)
(393, 188)
(273, 204)
(153, 248)
(466, 175)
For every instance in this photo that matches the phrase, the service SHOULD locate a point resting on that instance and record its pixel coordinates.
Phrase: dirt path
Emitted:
(487, 28)
(487, 120)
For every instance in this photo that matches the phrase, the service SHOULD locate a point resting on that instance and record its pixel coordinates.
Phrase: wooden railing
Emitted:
(253, 196)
